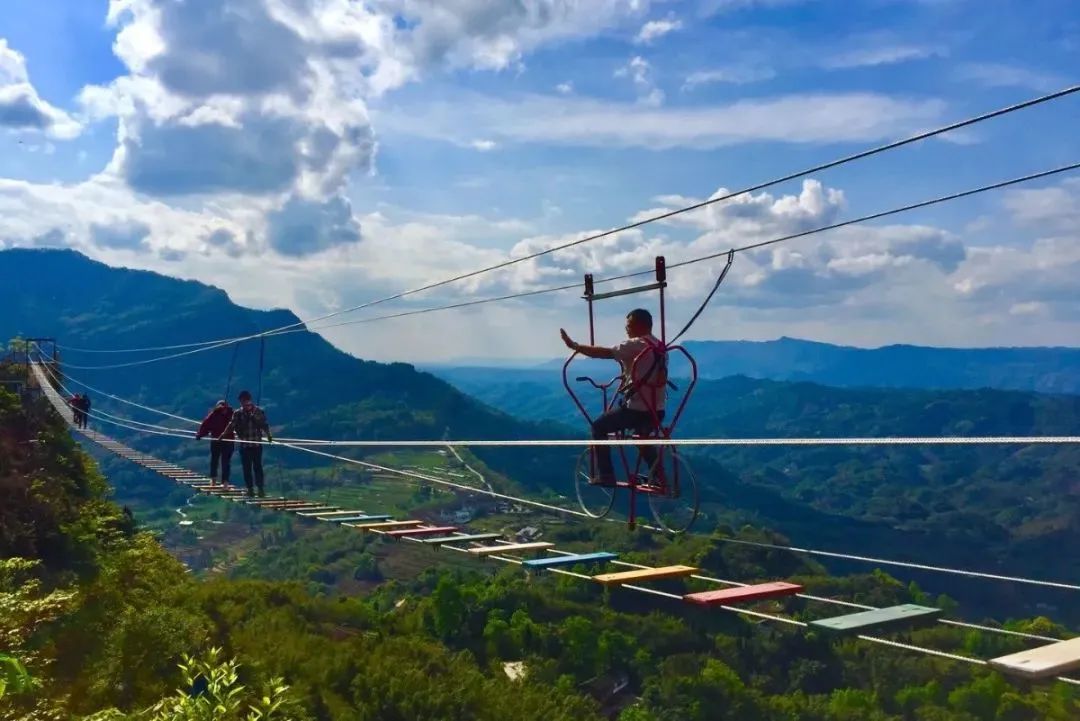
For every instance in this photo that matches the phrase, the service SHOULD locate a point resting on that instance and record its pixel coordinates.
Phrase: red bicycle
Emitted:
(667, 482)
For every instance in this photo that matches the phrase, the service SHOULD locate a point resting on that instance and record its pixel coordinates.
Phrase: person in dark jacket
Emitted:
(250, 425)
(215, 425)
(75, 402)
(85, 405)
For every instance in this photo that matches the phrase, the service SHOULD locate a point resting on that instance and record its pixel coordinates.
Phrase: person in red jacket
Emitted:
(217, 426)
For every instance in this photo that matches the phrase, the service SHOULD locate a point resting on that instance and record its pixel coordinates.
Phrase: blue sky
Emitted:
(316, 154)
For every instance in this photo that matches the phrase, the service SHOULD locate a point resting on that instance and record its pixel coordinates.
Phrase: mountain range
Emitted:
(1004, 508)
(1044, 370)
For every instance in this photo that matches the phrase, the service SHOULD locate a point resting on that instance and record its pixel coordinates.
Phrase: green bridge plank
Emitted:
(907, 614)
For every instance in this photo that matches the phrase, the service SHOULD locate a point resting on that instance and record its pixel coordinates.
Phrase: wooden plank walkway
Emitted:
(907, 614)
(744, 594)
(644, 574)
(1042, 662)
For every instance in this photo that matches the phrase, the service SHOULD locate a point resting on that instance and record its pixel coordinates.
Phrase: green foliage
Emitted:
(211, 691)
(14, 678)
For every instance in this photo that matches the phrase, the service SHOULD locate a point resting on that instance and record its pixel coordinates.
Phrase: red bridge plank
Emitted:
(744, 593)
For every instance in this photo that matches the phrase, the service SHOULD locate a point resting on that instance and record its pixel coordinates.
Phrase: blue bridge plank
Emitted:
(570, 560)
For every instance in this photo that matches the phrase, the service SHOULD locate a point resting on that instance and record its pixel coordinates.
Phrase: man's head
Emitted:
(244, 398)
(221, 405)
(638, 323)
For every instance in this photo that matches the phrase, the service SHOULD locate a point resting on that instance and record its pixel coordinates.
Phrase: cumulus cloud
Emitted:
(303, 227)
(1053, 209)
(21, 108)
(640, 73)
(657, 29)
(128, 235)
(495, 35)
(244, 96)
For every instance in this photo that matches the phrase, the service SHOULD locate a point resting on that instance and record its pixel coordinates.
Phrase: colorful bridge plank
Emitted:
(744, 594)
(354, 518)
(511, 548)
(555, 561)
(1051, 660)
(644, 574)
(907, 614)
(382, 525)
(469, 538)
(421, 531)
(331, 514)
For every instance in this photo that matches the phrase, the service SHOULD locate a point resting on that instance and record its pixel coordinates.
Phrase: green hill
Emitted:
(97, 619)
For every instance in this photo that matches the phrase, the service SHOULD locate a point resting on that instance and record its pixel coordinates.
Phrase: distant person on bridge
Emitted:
(643, 393)
(221, 444)
(76, 409)
(250, 424)
(84, 404)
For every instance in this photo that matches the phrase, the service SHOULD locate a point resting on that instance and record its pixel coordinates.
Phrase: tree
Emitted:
(211, 692)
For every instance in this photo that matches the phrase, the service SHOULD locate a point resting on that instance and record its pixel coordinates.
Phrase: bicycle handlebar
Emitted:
(594, 384)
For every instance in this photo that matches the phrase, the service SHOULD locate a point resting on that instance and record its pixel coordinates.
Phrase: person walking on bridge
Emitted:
(75, 403)
(250, 424)
(221, 443)
(84, 405)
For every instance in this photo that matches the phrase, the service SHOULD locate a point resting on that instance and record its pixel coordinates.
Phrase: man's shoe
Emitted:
(603, 481)
(262, 493)
(250, 493)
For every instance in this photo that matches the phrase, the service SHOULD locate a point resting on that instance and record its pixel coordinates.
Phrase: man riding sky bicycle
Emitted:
(644, 389)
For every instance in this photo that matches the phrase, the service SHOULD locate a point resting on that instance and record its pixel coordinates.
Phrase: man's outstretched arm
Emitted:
(592, 351)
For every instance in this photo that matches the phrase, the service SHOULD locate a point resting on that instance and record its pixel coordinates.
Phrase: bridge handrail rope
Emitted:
(661, 216)
(741, 611)
(560, 509)
(582, 442)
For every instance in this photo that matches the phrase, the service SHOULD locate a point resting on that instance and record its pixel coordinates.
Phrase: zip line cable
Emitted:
(425, 477)
(671, 213)
(701, 259)
(560, 509)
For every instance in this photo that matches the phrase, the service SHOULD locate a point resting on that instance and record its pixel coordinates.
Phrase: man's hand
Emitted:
(567, 340)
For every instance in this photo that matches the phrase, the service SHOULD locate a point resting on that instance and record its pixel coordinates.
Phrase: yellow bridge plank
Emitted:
(644, 574)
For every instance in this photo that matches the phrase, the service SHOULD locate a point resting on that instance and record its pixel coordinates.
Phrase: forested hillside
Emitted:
(980, 505)
(308, 387)
(97, 619)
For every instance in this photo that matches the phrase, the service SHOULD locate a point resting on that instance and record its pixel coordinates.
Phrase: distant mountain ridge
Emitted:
(1039, 369)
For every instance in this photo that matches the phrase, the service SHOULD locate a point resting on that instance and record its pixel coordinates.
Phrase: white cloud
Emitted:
(654, 29)
(21, 108)
(734, 74)
(640, 73)
(564, 88)
(1054, 209)
(881, 55)
(483, 145)
(496, 34)
(1001, 75)
(578, 121)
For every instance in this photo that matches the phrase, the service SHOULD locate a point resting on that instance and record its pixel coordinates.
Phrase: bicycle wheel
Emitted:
(596, 501)
(676, 508)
